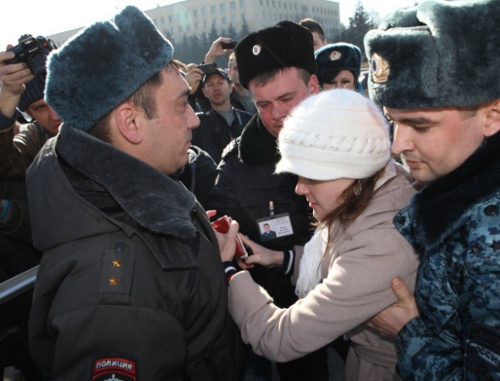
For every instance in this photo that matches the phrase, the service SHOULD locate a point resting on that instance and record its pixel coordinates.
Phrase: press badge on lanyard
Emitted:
(274, 226)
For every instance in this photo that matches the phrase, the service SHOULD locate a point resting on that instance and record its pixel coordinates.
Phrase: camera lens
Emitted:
(36, 64)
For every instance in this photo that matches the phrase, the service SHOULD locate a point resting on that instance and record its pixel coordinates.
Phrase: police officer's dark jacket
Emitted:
(246, 184)
(131, 279)
(214, 134)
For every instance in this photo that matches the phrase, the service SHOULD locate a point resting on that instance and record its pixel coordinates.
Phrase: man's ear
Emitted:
(204, 92)
(313, 84)
(492, 125)
(128, 120)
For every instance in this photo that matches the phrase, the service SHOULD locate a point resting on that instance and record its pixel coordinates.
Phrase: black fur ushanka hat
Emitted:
(437, 54)
(283, 45)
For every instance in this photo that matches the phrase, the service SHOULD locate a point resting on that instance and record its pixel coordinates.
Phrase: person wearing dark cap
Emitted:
(339, 66)
(20, 90)
(434, 68)
(277, 66)
(223, 122)
(130, 284)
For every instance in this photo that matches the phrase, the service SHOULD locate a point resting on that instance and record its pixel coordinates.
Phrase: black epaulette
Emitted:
(232, 147)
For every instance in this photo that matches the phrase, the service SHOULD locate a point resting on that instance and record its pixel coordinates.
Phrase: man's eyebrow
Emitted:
(184, 94)
(418, 120)
(287, 94)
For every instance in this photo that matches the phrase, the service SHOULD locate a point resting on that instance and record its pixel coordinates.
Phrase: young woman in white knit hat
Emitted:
(337, 143)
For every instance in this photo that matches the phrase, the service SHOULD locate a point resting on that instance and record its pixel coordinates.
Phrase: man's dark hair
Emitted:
(313, 26)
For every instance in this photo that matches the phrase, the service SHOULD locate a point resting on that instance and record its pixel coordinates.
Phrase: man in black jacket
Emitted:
(130, 285)
(223, 122)
(277, 65)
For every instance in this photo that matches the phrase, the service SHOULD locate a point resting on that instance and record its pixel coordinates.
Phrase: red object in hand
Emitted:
(222, 226)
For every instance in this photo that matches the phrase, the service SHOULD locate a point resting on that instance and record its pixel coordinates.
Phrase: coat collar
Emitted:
(257, 145)
(437, 210)
(154, 200)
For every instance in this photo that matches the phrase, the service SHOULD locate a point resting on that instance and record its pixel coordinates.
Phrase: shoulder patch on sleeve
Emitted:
(114, 369)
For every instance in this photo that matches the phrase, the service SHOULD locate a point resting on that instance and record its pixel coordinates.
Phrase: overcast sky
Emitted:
(46, 17)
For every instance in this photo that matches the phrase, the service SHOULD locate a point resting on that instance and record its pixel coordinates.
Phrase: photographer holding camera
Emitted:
(22, 81)
(22, 77)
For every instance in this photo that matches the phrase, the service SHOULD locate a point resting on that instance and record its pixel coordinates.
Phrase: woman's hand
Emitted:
(261, 255)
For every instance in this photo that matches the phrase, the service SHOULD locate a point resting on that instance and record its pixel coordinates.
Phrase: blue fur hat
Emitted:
(103, 65)
(437, 54)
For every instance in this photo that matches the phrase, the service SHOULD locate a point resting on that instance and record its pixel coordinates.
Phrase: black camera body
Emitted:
(229, 45)
(33, 52)
(208, 68)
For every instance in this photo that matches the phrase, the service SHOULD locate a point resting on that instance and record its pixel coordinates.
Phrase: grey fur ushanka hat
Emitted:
(437, 54)
(103, 65)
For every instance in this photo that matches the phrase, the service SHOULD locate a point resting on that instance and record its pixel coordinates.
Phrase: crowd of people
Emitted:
(370, 213)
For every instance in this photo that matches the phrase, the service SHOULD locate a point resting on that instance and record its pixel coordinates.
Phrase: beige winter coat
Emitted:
(357, 272)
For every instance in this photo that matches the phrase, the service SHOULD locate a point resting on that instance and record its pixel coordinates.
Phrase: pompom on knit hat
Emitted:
(437, 54)
(334, 134)
(103, 65)
(32, 93)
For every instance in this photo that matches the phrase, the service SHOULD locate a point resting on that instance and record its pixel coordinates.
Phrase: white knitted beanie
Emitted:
(334, 134)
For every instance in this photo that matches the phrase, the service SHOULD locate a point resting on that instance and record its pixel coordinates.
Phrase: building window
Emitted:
(234, 19)
(224, 20)
(212, 8)
(214, 22)
(170, 19)
(195, 13)
(222, 7)
(205, 24)
(242, 3)
(197, 25)
(232, 5)
(204, 11)
(279, 4)
(261, 3)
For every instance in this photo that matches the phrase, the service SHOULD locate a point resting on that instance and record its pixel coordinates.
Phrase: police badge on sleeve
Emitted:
(114, 369)
(482, 353)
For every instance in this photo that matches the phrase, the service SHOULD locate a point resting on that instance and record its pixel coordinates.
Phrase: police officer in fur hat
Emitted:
(339, 66)
(277, 66)
(130, 285)
(434, 68)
